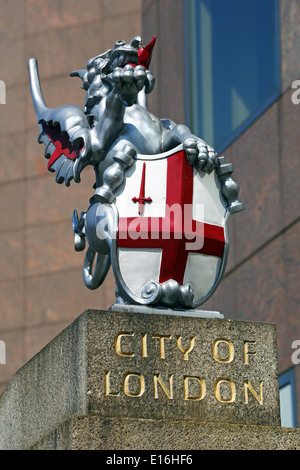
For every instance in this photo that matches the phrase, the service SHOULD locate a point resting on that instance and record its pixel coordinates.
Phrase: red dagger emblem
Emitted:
(142, 199)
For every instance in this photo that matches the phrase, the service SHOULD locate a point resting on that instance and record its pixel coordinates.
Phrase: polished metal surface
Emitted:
(111, 133)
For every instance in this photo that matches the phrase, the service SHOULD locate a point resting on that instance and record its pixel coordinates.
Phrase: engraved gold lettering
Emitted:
(157, 380)
(202, 384)
(188, 350)
(107, 391)
(144, 345)
(141, 389)
(162, 344)
(218, 396)
(118, 338)
(248, 386)
(216, 355)
(247, 353)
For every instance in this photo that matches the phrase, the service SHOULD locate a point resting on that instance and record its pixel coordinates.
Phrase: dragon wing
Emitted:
(64, 131)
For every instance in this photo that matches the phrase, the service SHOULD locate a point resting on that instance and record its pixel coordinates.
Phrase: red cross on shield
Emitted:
(180, 235)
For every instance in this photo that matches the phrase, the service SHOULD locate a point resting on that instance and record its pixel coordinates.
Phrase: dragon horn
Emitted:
(145, 53)
(35, 87)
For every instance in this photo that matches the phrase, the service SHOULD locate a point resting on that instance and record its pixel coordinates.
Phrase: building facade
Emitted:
(229, 75)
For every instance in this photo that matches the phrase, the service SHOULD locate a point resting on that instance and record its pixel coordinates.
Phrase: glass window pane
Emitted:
(233, 64)
(286, 406)
(288, 410)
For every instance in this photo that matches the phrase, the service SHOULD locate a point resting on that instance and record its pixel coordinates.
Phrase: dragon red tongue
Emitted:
(145, 53)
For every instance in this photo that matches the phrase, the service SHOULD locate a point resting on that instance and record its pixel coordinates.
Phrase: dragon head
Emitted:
(133, 53)
(96, 77)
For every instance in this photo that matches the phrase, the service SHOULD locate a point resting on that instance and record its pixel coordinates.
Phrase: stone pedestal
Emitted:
(128, 380)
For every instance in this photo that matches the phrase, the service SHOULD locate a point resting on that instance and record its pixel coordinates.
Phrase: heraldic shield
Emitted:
(170, 246)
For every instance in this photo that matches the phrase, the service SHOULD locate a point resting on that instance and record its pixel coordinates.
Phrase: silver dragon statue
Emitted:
(162, 196)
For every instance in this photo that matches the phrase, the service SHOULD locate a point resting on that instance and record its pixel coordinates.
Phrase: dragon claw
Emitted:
(200, 154)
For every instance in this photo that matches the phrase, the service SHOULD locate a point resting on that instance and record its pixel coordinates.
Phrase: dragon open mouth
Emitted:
(133, 53)
(122, 59)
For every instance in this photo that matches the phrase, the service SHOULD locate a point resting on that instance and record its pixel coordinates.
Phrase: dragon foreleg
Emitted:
(114, 175)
